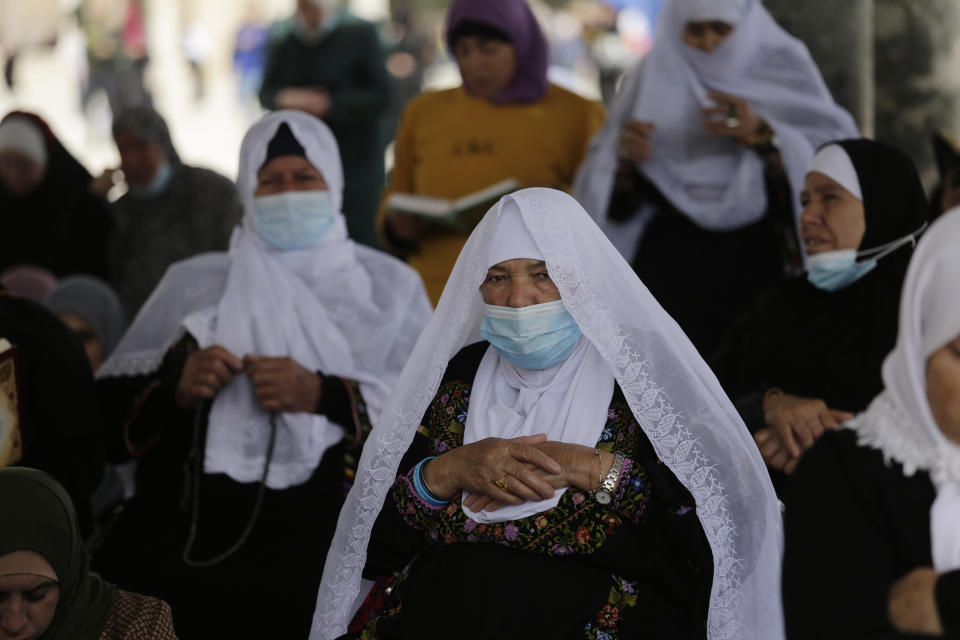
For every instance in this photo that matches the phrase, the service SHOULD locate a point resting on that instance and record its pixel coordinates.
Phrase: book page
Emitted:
(11, 440)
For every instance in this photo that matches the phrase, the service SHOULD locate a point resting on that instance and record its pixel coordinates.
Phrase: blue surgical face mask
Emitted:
(293, 219)
(536, 337)
(834, 270)
(161, 179)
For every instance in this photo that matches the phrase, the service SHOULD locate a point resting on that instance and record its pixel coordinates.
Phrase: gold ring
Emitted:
(502, 483)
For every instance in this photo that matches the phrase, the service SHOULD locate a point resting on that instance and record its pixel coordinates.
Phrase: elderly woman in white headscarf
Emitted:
(695, 175)
(873, 524)
(556, 461)
(258, 372)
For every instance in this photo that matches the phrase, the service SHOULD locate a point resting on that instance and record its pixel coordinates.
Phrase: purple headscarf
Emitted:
(515, 19)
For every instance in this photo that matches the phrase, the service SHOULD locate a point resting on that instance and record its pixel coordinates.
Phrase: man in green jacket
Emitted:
(330, 63)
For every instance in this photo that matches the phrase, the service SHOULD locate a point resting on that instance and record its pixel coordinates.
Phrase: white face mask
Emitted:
(294, 219)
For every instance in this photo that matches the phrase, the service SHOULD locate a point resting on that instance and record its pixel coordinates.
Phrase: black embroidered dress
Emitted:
(638, 566)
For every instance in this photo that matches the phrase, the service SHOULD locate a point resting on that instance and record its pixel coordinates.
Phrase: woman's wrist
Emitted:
(592, 469)
(434, 477)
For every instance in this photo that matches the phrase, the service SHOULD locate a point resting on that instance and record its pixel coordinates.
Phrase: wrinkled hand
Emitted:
(715, 119)
(774, 452)
(407, 228)
(312, 100)
(204, 374)
(912, 603)
(282, 385)
(799, 422)
(477, 466)
(580, 468)
(102, 184)
(634, 144)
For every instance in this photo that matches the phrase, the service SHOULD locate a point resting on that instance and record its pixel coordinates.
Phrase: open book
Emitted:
(461, 214)
(11, 439)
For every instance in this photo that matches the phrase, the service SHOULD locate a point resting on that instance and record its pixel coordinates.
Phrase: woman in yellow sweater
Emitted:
(505, 121)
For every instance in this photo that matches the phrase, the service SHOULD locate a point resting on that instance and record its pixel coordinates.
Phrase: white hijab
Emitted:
(674, 396)
(899, 422)
(568, 402)
(338, 308)
(718, 183)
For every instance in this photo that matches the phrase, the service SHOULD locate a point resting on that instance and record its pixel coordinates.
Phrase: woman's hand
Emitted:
(580, 468)
(313, 100)
(204, 374)
(732, 117)
(634, 144)
(799, 422)
(282, 385)
(407, 228)
(912, 603)
(774, 452)
(478, 466)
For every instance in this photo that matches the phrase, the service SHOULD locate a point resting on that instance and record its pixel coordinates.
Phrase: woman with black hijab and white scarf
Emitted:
(807, 354)
(695, 176)
(873, 523)
(645, 509)
(259, 371)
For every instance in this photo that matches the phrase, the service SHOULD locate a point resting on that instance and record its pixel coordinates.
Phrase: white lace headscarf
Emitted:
(673, 395)
(899, 421)
(714, 180)
(337, 308)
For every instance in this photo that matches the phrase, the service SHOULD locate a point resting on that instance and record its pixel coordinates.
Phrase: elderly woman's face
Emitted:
(20, 174)
(289, 173)
(139, 158)
(518, 283)
(943, 389)
(27, 601)
(706, 36)
(487, 66)
(832, 218)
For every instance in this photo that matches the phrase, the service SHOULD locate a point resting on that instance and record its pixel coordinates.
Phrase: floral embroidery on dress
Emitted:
(623, 594)
(578, 525)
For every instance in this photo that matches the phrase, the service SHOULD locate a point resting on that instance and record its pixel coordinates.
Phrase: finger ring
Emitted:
(732, 122)
(502, 483)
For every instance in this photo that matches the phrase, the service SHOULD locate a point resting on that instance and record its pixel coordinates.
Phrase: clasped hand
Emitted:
(280, 384)
(531, 469)
(793, 425)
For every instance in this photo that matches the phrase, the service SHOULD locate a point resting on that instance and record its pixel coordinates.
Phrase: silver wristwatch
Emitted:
(604, 494)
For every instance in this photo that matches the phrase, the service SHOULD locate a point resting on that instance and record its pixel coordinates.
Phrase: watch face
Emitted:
(603, 496)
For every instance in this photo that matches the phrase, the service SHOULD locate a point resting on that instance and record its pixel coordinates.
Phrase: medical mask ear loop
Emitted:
(886, 249)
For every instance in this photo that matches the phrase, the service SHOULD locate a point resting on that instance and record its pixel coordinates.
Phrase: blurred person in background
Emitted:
(249, 58)
(171, 211)
(695, 175)
(48, 218)
(410, 51)
(28, 281)
(945, 194)
(117, 53)
(330, 64)
(24, 25)
(245, 389)
(505, 121)
(92, 311)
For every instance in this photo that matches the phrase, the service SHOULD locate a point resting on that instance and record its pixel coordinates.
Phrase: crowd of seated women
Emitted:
(697, 377)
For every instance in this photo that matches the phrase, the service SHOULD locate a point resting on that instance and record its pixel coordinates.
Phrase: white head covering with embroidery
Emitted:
(714, 180)
(338, 308)
(899, 422)
(673, 394)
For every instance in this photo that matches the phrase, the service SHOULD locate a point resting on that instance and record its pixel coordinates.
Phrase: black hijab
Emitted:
(59, 225)
(830, 345)
(38, 516)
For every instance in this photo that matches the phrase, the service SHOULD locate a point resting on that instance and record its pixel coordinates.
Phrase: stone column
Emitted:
(839, 34)
(917, 63)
